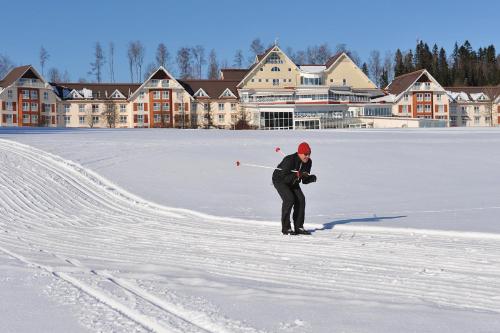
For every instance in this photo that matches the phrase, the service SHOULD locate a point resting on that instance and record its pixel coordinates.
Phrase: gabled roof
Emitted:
(333, 59)
(233, 74)
(19, 72)
(214, 88)
(491, 91)
(260, 58)
(99, 90)
(403, 82)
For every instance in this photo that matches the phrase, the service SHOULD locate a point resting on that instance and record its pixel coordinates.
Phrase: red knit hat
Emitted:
(304, 149)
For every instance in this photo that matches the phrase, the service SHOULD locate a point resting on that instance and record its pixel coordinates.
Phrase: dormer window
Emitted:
(427, 85)
(275, 69)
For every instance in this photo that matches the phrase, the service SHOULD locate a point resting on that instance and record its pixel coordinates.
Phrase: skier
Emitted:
(292, 170)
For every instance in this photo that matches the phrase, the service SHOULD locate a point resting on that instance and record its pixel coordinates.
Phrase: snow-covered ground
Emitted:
(158, 230)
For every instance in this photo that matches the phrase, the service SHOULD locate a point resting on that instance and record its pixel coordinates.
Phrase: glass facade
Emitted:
(276, 120)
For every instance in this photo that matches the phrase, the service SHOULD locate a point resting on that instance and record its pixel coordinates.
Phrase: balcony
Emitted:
(158, 84)
(30, 83)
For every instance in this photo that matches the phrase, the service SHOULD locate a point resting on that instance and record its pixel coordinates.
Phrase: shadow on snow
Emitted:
(375, 218)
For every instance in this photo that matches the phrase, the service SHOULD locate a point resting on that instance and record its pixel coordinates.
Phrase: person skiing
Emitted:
(294, 168)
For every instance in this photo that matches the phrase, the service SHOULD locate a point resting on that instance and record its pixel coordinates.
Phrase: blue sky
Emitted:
(69, 30)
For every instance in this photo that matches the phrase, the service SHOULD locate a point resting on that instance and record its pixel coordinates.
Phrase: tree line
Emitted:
(464, 67)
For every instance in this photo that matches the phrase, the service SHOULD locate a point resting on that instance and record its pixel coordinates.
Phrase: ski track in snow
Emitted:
(110, 244)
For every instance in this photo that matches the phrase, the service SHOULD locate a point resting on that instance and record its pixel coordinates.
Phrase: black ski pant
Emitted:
(292, 198)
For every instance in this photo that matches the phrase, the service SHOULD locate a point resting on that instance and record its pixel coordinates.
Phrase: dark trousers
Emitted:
(292, 197)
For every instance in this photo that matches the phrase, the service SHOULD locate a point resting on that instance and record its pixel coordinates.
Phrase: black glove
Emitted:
(309, 179)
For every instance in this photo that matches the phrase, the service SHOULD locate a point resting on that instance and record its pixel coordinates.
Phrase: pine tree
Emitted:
(399, 67)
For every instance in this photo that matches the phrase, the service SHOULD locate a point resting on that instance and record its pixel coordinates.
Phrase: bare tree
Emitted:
(135, 54)
(91, 120)
(213, 66)
(130, 57)
(492, 93)
(389, 65)
(54, 75)
(111, 61)
(140, 51)
(375, 66)
(184, 63)
(97, 65)
(256, 48)
(65, 76)
(110, 114)
(44, 57)
(198, 53)
(150, 69)
(5, 65)
(207, 115)
(162, 55)
(318, 54)
(238, 59)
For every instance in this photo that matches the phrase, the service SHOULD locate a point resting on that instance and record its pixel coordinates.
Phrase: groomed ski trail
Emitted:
(65, 219)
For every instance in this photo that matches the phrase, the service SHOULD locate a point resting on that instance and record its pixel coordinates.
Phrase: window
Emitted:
(260, 80)
(34, 107)
(157, 118)
(81, 120)
(9, 106)
(234, 118)
(66, 107)
(261, 69)
(438, 97)
(428, 108)
(274, 58)
(67, 120)
(141, 95)
(26, 106)
(140, 106)
(9, 94)
(427, 97)
(233, 106)
(95, 119)
(156, 95)
(26, 118)
(476, 109)
(420, 97)
(404, 109)
(81, 108)
(123, 119)
(420, 108)
(221, 118)
(441, 108)
(275, 69)
(157, 106)
(46, 95)
(26, 94)
(406, 97)
(140, 119)
(34, 119)
(34, 94)
(166, 107)
(166, 118)
(95, 108)
(477, 120)
(123, 107)
(8, 118)
(417, 85)
(427, 85)
(344, 82)
(221, 106)
(165, 94)
(276, 82)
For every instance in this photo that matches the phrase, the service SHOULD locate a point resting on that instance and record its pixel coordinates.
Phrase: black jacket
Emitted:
(289, 163)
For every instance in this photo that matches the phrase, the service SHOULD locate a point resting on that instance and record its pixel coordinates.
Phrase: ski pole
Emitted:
(278, 150)
(238, 163)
